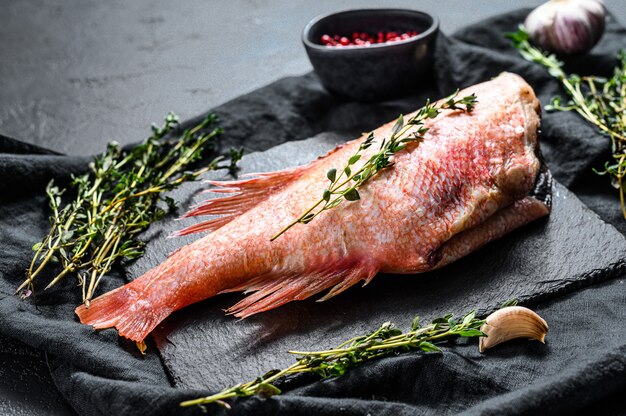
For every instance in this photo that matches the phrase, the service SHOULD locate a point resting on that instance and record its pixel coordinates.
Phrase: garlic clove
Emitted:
(567, 26)
(510, 323)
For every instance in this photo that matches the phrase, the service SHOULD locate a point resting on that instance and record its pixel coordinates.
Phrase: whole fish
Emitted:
(467, 183)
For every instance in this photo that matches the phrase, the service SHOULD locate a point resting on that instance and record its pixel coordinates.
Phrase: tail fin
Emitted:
(121, 308)
(276, 289)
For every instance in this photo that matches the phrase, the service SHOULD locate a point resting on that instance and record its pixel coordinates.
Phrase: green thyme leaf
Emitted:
(352, 195)
(415, 324)
(471, 333)
(398, 126)
(307, 218)
(510, 302)
(354, 159)
(428, 347)
(331, 175)
(334, 203)
(469, 318)
(266, 390)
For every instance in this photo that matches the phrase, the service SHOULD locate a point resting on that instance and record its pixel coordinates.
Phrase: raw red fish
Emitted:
(466, 184)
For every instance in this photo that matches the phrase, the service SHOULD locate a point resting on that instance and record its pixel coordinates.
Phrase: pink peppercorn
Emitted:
(365, 39)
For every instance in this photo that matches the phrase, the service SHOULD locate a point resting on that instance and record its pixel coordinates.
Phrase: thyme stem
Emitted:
(120, 197)
(604, 110)
(345, 184)
(384, 341)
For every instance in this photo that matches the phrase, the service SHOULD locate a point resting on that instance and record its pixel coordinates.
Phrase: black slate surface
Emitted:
(537, 262)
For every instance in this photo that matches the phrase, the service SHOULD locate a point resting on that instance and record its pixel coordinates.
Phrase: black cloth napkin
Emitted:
(582, 367)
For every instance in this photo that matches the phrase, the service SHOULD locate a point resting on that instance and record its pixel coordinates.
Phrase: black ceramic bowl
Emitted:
(378, 71)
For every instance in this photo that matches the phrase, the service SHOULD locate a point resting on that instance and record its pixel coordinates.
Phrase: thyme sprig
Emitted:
(383, 342)
(344, 183)
(600, 101)
(120, 196)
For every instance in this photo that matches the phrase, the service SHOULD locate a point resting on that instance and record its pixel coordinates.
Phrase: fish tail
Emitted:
(121, 308)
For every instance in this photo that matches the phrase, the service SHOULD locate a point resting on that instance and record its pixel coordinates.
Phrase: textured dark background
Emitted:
(76, 74)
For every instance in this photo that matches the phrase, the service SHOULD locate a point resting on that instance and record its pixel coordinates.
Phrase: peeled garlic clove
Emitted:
(510, 323)
(567, 26)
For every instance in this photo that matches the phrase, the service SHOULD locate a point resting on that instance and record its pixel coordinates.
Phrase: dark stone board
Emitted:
(203, 348)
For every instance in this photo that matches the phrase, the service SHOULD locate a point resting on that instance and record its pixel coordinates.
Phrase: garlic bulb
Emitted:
(567, 27)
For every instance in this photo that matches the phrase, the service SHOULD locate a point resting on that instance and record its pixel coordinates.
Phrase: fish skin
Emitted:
(466, 184)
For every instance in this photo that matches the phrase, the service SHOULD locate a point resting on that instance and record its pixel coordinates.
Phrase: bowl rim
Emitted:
(432, 29)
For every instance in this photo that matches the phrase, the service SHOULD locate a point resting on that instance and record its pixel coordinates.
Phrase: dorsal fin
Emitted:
(247, 193)
(279, 287)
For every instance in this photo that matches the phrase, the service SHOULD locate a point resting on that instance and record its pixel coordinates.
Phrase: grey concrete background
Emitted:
(75, 74)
